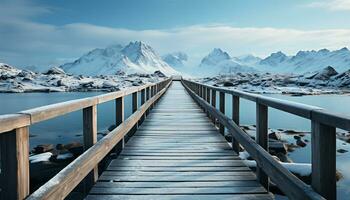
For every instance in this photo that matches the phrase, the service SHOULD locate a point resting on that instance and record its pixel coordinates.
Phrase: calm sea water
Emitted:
(68, 128)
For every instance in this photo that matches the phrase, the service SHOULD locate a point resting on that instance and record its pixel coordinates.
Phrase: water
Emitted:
(68, 128)
(63, 129)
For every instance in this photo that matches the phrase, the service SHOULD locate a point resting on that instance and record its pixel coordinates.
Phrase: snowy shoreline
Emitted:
(14, 80)
(325, 81)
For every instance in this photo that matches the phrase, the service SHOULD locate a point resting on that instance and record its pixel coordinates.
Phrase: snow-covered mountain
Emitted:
(176, 59)
(306, 61)
(220, 62)
(136, 57)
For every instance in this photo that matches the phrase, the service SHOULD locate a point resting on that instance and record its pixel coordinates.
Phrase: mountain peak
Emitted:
(274, 59)
(215, 56)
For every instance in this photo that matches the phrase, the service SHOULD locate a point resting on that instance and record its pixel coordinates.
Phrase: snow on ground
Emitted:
(56, 80)
(325, 81)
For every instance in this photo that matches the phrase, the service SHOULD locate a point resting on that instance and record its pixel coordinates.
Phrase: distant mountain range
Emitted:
(220, 62)
(136, 57)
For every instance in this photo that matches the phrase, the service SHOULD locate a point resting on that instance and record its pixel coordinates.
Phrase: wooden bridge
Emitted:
(171, 147)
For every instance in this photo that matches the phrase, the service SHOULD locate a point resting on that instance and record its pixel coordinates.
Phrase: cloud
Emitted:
(333, 5)
(25, 42)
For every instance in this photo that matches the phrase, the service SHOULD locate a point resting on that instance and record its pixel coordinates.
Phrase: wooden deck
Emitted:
(177, 153)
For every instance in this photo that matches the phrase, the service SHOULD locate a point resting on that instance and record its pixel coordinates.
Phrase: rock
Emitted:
(159, 74)
(42, 148)
(59, 146)
(275, 136)
(342, 151)
(300, 143)
(283, 157)
(112, 127)
(326, 73)
(55, 70)
(276, 146)
(75, 148)
(228, 84)
(297, 137)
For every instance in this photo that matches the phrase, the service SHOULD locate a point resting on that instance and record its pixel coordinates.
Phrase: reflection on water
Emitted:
(68, 128)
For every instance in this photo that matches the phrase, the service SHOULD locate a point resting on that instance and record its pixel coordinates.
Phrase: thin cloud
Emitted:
(25, 42)
(333, 5)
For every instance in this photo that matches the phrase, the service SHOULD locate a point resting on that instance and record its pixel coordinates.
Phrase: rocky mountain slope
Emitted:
(56, 80)
(136, 57)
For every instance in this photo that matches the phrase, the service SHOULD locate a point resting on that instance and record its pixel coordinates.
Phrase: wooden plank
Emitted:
(14, 177)
(180, 174)
(235, 118)
(323, 146)
(167, 191)
(13, 121)
(128, 178)
(196, 184)
(174, 157)
(187, 197)
(180, 169)
(177, 163)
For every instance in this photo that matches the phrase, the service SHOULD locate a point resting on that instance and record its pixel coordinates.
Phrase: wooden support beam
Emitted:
(235, 118)
(148, 95)
(119, 118)
(222, 110)
(262, 139)
(14, 177)
(213, 102)
(90, 138)
(323, 146)
(143, 100)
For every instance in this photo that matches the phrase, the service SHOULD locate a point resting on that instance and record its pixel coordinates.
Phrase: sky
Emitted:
(48, 33)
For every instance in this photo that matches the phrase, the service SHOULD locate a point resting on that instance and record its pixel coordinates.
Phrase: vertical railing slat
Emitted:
(90, 138)
(323, 153)
(222, 110)
(119, 118)
(14, 178)
(262, 139)
(213, 102)
(235, 118)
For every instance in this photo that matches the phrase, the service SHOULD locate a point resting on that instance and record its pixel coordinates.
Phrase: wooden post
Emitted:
(222, 110)
(208, 95)
(213, 102)
(147, 97)
(323, 151)
(119, 118)
(134, 109)
(90, 138)
(204, 95)
(262, 139)
(14, 177)
(235, 118)
(142, 102)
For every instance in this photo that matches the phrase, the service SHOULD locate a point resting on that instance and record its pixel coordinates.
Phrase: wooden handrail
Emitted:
(323, 137)
(14, 141)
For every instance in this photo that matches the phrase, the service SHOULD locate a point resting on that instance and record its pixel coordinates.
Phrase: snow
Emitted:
(220, 62)
(302, 169)
(40, 157)
(136, 57)
(64, 156)
(306, 61)
(176, 59)
(56, 80)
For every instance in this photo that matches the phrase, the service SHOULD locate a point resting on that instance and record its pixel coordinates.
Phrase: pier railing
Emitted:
(323, 138)
(14, 141)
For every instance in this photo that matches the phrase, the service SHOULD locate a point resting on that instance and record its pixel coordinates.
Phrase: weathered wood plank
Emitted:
(187, 197)
(14, 177)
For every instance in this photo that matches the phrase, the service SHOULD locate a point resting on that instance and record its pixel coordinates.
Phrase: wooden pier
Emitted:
(173, 146)
(177, 153)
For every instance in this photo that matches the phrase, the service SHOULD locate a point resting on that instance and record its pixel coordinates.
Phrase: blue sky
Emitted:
(42, 32)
